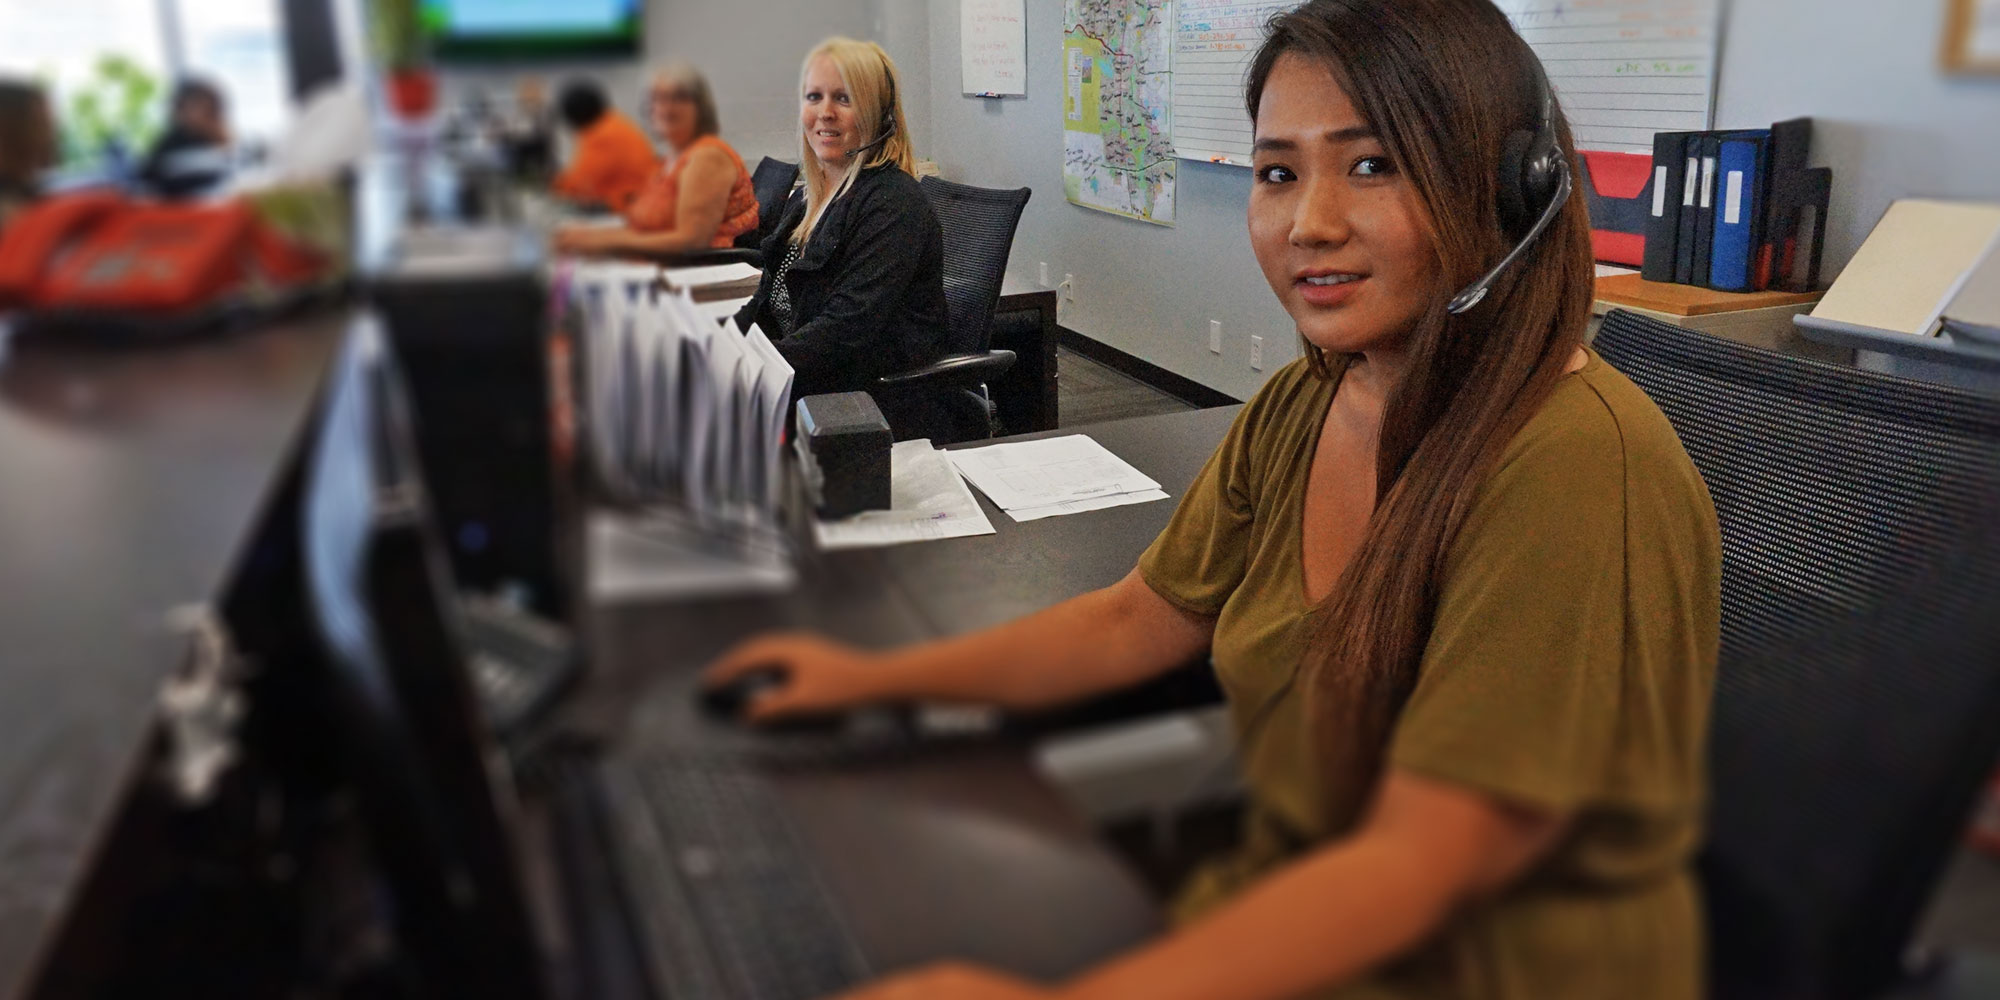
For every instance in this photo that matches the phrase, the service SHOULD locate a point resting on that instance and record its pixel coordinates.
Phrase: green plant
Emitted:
(115, 105)
(397, 28)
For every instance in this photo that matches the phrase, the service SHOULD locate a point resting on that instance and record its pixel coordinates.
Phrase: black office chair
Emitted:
(773, 180)
(978, 226)
(1859, 680)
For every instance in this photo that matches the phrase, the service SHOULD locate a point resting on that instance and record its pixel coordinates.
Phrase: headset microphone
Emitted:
(1533, 171)
(888, 129)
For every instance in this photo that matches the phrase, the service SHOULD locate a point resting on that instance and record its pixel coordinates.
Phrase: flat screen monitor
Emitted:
(345, 593)
(473, 30)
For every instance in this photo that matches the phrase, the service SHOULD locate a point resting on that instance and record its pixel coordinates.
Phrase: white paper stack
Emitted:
(714, 278)
(1065, 475)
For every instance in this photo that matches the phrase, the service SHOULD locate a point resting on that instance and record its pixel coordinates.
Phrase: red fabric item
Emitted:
(1618, 248)
(41, 233)
(1619, 175)
(164, 258)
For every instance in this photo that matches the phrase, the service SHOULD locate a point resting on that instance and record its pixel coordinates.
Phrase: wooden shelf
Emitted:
(1688, 300)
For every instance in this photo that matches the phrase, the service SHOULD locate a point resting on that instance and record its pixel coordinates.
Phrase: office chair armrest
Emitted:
(958, 370)
(1192, 685)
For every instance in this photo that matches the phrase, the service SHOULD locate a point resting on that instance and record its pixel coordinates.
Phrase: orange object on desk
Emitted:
(1689, 300)
(1986, 820)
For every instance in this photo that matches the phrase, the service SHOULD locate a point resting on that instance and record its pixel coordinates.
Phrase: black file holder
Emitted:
(1792, 191)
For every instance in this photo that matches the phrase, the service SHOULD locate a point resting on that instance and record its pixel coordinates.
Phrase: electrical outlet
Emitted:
(1044, 283)
(1215, 336)
(1068, 287)
(1256, 354)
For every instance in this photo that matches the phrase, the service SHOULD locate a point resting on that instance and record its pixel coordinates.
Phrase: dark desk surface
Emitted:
(968, 854)
(967, 583)
(127, 479)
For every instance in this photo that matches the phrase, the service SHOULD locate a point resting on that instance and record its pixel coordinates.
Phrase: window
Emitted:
(110, 63)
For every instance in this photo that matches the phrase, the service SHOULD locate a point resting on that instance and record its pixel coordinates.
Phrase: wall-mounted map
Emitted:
(1118, 143)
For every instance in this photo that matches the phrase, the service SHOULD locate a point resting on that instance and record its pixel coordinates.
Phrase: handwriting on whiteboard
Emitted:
(1625, 69)
(1213, 43)
(993, 47)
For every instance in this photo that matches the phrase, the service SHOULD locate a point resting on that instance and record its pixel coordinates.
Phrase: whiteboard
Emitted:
(1213, 43)
(993, 47)
(1628, 69)
(1623, 69)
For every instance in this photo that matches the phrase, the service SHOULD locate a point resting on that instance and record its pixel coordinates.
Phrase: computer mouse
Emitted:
(731, 698)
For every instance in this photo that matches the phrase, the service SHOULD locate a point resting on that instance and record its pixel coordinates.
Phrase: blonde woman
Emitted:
(700, 199)
(853, 284)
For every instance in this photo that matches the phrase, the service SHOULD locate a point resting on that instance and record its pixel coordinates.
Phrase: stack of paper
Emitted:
(717, 279)
(1065, 475)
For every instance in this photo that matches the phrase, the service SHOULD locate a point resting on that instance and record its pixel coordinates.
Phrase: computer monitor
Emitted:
(345, 597)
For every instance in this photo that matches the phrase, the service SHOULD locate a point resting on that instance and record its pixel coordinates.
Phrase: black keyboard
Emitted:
(520, 663)
(723, 897)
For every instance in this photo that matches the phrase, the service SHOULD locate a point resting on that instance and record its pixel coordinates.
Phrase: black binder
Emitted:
(1663, 224)
(1690, 208)
(1704, 209)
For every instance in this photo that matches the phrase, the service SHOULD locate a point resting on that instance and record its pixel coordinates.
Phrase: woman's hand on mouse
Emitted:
(821, 676)
(949, 981)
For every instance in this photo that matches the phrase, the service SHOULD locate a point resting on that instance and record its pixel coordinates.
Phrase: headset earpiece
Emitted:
(1517, 203)
(1534, 184)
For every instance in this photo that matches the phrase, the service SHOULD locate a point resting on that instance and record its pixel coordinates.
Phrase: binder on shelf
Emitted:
(1704, 216)
(1618, 188)
(1690, 210)
(1741, 175)
(1663, 223)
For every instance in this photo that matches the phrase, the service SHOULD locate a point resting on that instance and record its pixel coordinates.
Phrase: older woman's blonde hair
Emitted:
(876, 90)
(688, 80)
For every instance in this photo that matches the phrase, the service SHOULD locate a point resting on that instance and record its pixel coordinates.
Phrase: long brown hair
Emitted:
(1442, 83)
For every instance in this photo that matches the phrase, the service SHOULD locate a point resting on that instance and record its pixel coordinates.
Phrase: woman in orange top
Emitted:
(702, 199)
(613, 157)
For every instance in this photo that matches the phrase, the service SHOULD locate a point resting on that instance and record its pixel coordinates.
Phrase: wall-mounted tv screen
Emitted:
(532, 29)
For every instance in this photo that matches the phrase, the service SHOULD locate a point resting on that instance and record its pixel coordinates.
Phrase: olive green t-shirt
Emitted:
(1569, 668)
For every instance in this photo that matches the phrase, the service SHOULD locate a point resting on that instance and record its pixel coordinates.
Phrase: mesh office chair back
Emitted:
(978, 226)
(1860, 666)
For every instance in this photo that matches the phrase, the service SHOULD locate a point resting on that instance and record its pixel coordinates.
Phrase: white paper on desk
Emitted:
(659, 447)
(1049, 471)
(1079, 506)
(695, 390)
(927, 500)
(637, 556)
(726, 358)
(613, 358)
(715, 274)
(722, 310)
(773, 397)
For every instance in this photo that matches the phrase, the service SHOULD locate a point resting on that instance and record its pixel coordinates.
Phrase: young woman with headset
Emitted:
(853, 287)
(1457, 577)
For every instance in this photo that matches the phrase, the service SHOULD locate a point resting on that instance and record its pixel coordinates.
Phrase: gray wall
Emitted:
(1147, 290)
(1889, 123)
(750, 51)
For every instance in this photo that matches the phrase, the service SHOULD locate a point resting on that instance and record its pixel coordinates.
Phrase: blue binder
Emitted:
(1740, 181)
